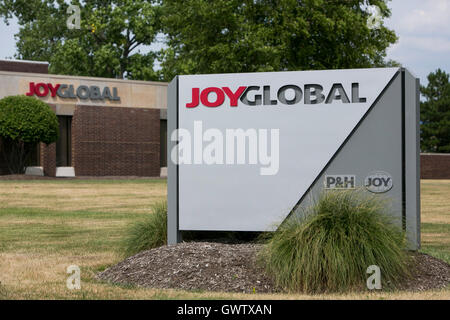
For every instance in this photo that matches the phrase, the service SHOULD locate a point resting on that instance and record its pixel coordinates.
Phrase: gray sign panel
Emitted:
(245, 149)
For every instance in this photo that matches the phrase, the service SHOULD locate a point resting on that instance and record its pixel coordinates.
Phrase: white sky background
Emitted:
(423, 27)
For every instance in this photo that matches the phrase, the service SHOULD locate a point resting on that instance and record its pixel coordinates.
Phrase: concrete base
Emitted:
(66, 172)
(163, 173)
(34, 171)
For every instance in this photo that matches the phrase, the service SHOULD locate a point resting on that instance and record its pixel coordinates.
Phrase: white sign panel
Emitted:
(250, 145)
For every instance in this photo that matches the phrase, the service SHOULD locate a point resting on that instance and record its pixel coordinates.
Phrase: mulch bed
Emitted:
(430, 273)
(231, 268)
(193, 266)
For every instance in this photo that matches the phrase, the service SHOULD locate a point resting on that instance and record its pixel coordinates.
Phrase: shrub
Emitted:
(149, 233)
(24, 122)
(330, 247)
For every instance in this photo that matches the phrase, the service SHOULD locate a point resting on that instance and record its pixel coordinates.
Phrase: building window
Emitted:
(64, 143)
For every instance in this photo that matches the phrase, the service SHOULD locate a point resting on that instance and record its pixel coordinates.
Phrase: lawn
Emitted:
(47, 225)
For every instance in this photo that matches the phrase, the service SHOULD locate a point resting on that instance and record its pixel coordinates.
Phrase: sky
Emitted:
(423, 28)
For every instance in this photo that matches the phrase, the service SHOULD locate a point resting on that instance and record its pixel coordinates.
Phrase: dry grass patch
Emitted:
(38, 276)
(435, 203)
(94, 196)
(46, 226)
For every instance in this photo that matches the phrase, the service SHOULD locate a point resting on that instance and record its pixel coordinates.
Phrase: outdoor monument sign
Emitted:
(247, 150)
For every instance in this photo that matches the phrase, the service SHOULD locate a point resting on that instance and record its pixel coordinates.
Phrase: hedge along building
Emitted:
(108, 127)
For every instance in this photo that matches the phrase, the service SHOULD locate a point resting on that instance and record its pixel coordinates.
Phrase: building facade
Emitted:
(435, 165)
(108, 127)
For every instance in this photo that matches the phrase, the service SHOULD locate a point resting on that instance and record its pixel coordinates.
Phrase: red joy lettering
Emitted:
(53, 89)
(37, 89)
(234, 96)
(194, 103)
(205, 94)
(32, 90)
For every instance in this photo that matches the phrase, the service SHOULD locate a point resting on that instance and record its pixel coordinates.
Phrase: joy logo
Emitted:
(287, 95)
(378, 182)
(70, 92)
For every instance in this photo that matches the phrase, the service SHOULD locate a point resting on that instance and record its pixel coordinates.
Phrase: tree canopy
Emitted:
(200, 36)
(435, 113)
(269, 35)
(106, 45)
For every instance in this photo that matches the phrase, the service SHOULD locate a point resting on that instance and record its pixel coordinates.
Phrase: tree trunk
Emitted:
(16, 155)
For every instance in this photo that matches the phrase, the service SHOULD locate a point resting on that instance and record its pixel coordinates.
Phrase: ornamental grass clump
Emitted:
(151, 232)
(331, 246)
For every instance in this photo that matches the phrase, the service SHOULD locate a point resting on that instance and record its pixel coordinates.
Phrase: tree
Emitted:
(106, 45)
(435, 113)
(201, 36)
(24, 122)
(271, 35)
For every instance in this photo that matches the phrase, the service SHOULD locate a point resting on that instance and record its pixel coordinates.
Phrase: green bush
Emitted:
(24, 122)
(331, 246)
(149, 233)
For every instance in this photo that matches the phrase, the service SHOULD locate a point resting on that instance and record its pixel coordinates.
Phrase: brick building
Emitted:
(108, 127)
(435, 166)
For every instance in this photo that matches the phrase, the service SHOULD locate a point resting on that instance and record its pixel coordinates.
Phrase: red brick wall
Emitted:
(434, 166)
(48, 155)
(20, 66)
(114, 141)
(48, 159)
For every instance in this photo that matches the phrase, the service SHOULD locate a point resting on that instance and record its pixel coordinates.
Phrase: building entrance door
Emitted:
(64, 143)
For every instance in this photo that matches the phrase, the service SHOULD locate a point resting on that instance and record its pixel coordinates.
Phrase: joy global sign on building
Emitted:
(247, 150)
